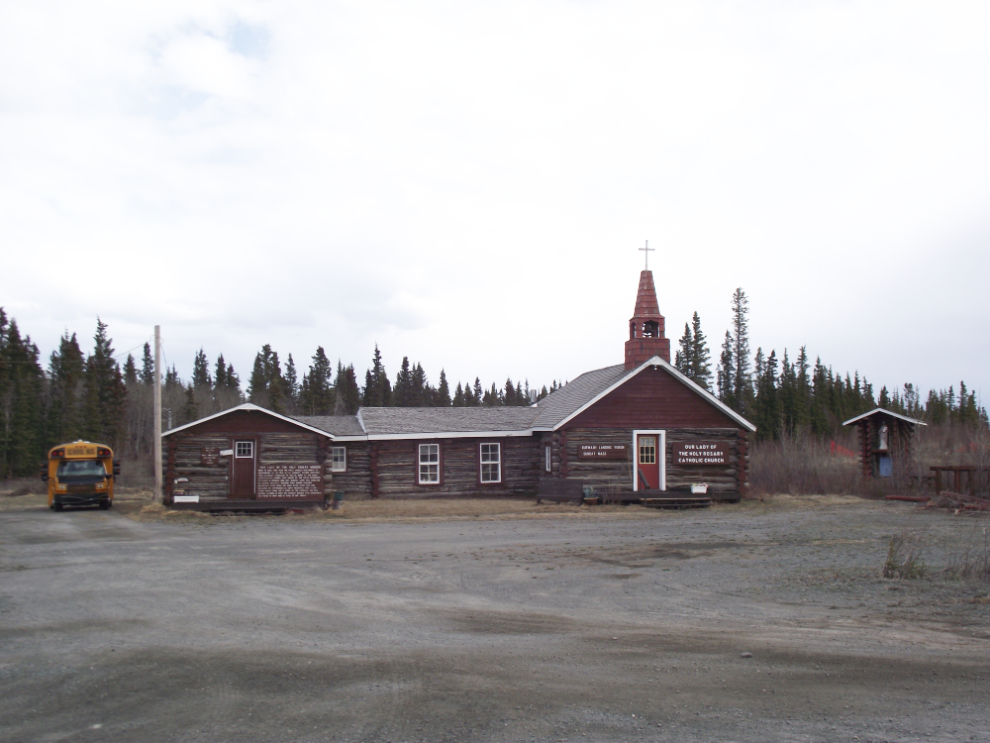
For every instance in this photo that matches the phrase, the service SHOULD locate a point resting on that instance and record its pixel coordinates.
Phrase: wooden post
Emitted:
(158, 414)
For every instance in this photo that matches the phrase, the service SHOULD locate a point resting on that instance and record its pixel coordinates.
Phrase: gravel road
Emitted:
(614, 628)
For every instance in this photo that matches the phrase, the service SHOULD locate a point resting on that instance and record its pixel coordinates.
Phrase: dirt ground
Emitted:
(486, 621)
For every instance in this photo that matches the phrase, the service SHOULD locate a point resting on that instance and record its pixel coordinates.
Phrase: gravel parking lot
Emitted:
(556, 624)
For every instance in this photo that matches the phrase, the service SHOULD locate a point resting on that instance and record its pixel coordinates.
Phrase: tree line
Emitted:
(90, 395)
(93, 396)
(783, 396)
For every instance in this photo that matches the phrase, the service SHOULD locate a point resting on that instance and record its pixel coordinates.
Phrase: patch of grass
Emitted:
(905, 557)
(971, 561)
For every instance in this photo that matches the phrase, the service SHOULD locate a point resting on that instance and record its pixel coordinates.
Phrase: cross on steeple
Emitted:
(647, 250)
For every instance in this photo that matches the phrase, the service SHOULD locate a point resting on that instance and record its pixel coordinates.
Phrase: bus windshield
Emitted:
(81, 468)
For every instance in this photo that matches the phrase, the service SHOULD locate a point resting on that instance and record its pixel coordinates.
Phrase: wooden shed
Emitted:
(884, 438)
(245, 458)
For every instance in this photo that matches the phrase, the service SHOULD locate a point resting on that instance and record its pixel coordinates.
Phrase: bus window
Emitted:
(81, 468)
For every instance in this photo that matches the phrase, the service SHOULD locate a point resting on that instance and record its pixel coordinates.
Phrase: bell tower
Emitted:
(646, 328)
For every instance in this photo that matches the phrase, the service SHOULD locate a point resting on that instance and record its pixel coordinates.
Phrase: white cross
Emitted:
(647, 250)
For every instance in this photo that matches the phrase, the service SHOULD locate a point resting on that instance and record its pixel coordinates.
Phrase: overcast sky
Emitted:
(467, 183)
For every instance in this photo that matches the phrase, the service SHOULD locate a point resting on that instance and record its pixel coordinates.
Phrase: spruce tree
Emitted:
(66, 374)
(443, 391)
(509, 393)
(106, 393)
(700, 370)
(220, 376)
(266, 386)
(147, 366)
(318, 396)
(422, 393)
(291, 385)
(458, 401)
(201, 379)
(130, 370)
(726, 373)
(21, 393)
(402, 393)
(377, 388)
(742, 386)
(683, 357)
(190, 411)
(346, 392)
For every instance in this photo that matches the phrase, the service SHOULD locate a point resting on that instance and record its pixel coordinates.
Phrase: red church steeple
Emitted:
(646, 338)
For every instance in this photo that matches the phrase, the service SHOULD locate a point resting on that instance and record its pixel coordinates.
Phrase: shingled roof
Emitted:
(335, 425)
(547, 415)
(561, 403)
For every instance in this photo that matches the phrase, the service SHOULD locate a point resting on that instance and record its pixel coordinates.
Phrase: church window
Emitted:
(548, 462)
(338, 459)
(429, 464)
(491, 463)
(647, 450)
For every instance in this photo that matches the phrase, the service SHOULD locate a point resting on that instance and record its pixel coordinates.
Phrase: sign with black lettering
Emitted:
(603, 451)
(701, 453)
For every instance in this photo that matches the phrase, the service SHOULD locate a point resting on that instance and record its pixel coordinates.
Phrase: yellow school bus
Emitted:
(80, 474)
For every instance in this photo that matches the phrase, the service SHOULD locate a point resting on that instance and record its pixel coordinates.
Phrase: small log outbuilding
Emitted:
(884, 437)
(640, 427)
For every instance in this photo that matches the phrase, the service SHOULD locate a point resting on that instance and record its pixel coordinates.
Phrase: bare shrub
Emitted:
(952, 444)
(23, 486)
(905, 557)
(971, 560)
(803, 465)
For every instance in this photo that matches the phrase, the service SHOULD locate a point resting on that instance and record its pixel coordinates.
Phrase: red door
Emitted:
(647, 461)
(242, 484)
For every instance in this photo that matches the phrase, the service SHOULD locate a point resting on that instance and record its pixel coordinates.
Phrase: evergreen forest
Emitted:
(91, 392)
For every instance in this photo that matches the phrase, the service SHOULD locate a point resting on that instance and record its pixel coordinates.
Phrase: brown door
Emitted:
(242, 484)
(648, 463)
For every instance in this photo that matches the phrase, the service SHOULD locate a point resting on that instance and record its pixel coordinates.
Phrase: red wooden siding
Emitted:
(241, 422)
(652, 399)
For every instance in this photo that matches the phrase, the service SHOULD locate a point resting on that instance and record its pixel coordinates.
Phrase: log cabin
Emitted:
(640, 427)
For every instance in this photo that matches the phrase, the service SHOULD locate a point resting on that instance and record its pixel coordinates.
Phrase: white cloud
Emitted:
(468, 183)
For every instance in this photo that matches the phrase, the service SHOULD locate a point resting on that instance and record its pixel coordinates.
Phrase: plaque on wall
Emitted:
(603, 451)
(209, 456)
(701, 453)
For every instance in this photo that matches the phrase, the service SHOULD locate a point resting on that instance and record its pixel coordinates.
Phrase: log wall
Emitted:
(725, 482)
(355, 483)
(301, 454)
(394, 470)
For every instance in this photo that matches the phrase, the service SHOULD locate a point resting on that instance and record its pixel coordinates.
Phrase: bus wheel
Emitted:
(104, 505)
(57, 506)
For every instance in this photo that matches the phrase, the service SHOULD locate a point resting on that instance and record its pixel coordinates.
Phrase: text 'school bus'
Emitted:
(80, 474)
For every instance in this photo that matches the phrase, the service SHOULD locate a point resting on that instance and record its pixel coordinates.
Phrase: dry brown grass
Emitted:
(138, 505)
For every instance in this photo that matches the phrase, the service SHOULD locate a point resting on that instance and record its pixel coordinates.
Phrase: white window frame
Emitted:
(338, 465)
(237, 450)
(432, 477)
(661, 455)
(482, 461)
(548, 465)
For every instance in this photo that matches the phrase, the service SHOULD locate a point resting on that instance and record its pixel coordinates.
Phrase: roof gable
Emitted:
(592, 387)
(246, 407)
(883, 411)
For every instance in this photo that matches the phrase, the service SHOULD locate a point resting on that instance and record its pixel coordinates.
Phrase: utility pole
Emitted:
(158, 414)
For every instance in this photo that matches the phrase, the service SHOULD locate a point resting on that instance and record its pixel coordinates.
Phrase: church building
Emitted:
(639, 426)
